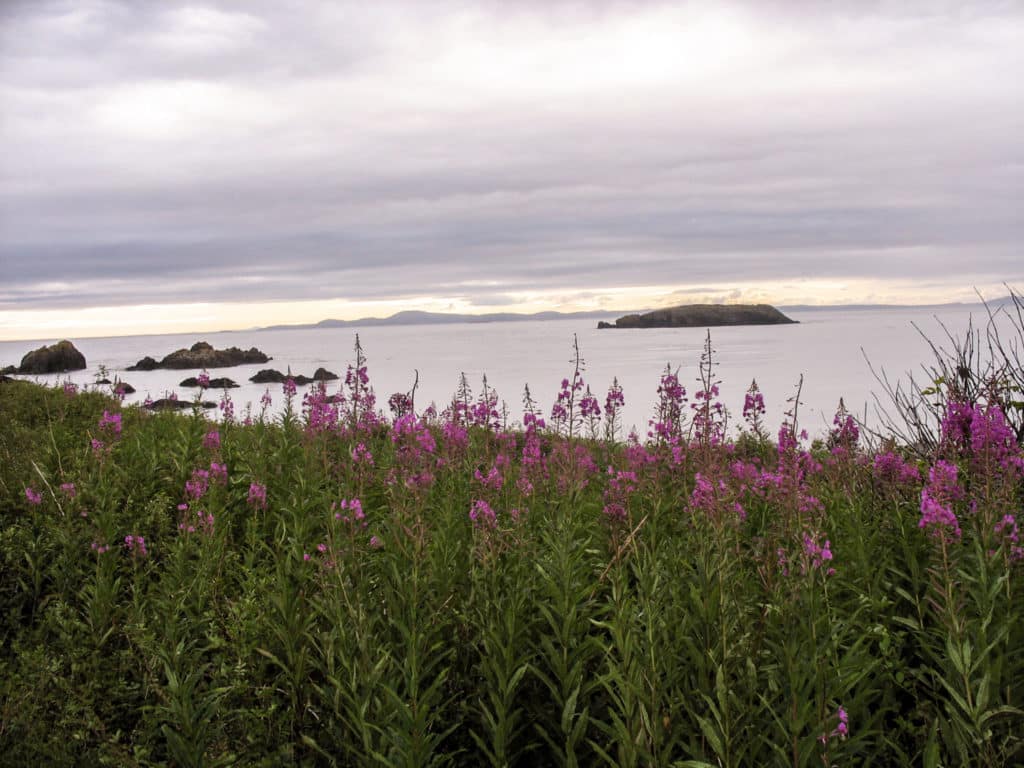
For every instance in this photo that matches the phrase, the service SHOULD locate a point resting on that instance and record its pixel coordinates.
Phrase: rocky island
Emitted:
(202, 355)
(271, 376)
(703, 316)
(56, 358)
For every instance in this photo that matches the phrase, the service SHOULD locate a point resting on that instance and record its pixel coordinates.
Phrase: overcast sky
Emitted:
(202, 165)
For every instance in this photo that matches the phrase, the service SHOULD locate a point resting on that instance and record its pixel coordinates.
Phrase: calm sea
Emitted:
(826, 348)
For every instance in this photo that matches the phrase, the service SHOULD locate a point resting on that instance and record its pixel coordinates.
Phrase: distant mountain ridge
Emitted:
(418, 317)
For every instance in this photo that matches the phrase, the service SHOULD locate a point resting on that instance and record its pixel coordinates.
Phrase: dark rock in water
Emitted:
(268, 376)
(103, 381)
(124, 388)
(166, 404)
(202, 355)
(8, 369)
(58, 358)
(322, 374)
(145, 364)
(221, 383)
(271, 376)
(703, 316)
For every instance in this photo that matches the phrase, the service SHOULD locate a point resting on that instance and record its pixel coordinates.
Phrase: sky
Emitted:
(172, 166)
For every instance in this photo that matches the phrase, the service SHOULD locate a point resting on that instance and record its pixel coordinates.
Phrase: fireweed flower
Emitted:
(668, 419)
(484, 413)
(70, 389)
(196, 487)
(211, 440)
(753, 408)
(219, 473)
(845, 429)
(400, 404)
(708, 416)
(69, 490)
(203, 380)
(320, 411)
(621, 487)
(227, 408)
(136, 545)
(937, 499)
(818, 554)
(992, 438)
(589, 407)
(955, 429)
(842, 729)
(361, 455)
(202, 522)
(614, 402)
(492, 479)
(34, 498)
(482, 515)
(1007, 530)
(257, 498)
(350, 512)
(889, 467)
(456, 437)
(414, 452)
(110, 423)
(375, 543)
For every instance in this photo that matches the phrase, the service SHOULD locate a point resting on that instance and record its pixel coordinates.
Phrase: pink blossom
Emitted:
(482, 515)
(257, 496)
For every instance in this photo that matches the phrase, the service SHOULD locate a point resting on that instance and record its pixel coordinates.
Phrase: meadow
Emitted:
(363, 583)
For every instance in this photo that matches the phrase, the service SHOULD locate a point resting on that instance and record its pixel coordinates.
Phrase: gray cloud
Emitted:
(155, 152)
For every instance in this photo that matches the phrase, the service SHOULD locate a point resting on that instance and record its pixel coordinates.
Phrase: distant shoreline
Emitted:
(494, 318)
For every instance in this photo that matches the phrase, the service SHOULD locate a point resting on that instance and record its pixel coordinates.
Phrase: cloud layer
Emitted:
(289, 151)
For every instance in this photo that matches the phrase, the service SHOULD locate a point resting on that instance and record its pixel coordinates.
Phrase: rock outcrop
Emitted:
(202, 355)
(268, 376)
(57, 358)
(322, 374)
(167, 404)
(145, 364)
(221, 383)
(272, 376)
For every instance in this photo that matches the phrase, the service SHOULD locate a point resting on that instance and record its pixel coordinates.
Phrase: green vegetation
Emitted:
(332, 588)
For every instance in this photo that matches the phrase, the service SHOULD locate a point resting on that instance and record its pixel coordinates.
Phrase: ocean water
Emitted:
(828, 348)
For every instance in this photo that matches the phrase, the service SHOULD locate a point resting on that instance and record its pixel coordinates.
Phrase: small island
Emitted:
(202, 355)
(703, 316)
